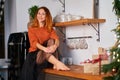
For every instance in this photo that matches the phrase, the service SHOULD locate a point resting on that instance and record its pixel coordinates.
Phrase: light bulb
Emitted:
(113, 57)
(114, 53)
(118, 60)
(119, 46)
(117, 55)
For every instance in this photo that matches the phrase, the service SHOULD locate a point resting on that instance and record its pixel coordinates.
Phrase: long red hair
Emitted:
(48, 21)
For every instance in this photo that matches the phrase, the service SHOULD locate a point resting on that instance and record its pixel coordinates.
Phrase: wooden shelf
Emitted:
(79, 22)
(88, 21)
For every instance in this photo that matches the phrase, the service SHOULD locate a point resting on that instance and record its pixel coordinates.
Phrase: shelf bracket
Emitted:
(63, 4)
(97, 29)
(62, 31)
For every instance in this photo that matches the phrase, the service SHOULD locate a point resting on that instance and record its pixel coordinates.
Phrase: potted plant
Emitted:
(31, 11)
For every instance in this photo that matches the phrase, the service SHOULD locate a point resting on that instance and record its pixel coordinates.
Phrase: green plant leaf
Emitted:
(116, 7)
(33, 10)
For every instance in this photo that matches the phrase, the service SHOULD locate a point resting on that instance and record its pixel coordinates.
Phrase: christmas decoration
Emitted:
(113, 68)
(94, 66)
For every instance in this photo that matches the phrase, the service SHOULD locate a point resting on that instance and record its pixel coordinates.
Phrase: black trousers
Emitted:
(31, 70)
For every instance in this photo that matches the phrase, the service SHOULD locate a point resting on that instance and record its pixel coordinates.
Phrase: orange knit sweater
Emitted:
(39, 35)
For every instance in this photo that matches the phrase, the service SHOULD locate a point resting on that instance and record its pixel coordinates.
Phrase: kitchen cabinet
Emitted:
(91, 22)
(58, 77)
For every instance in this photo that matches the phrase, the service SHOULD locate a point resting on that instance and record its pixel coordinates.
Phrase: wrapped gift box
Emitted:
(95, 68)
(88, 67)
(95, 56)
(101, 50)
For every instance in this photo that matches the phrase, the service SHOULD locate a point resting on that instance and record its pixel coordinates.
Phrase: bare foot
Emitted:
(60, 66)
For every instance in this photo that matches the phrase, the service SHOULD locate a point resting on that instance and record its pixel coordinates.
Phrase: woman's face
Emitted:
(41, 15)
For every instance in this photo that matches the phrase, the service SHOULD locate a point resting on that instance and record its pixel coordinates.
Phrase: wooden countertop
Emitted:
(75, 72)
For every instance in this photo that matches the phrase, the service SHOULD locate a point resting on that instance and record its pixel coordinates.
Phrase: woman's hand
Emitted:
(47, 50)
(50, 49)
(53, 48)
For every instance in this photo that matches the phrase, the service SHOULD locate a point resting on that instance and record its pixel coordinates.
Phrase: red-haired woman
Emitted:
(43, 43)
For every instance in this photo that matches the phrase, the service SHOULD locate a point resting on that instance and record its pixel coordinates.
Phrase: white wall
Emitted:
(18, 18)
(85, 9)
(23, 11)
(107, 38)
(10, 20)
